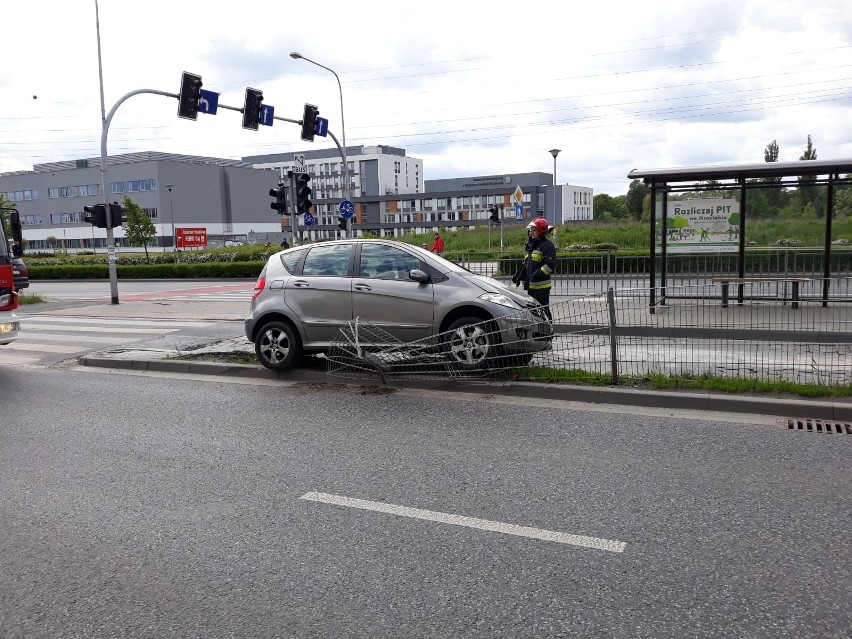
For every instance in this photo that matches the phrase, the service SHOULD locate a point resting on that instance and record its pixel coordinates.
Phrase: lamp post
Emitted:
(554, 153)
(298, 56)
(172, 209)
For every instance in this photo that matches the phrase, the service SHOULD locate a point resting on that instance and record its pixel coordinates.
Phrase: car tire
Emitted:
(278, 346)
(471, 344)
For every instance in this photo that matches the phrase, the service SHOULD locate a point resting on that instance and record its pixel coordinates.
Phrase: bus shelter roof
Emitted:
(742, 171)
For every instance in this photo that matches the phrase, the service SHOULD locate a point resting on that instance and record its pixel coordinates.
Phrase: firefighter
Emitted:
(539, 264)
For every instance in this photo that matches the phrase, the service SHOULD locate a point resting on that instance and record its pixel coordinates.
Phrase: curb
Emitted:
(792, 408)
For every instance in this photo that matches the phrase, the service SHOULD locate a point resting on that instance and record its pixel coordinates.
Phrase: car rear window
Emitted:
(291, 258)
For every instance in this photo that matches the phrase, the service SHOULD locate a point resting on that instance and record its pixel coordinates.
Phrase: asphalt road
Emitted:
(149, 506)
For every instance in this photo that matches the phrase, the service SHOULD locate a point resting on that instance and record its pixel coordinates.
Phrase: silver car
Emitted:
(305, 294)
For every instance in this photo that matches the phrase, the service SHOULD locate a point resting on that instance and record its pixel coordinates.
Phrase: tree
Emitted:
(771, 152)
(635, 197)
(773, 194)
(139, 229)
(615, 207)
(808, 192)
(5, 205)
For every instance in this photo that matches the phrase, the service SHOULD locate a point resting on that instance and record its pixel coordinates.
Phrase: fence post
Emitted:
(613, 334)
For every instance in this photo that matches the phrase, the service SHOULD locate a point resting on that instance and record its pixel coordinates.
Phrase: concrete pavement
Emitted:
(154, 355)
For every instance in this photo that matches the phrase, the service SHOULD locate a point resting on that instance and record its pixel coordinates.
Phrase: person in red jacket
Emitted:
(438, 245)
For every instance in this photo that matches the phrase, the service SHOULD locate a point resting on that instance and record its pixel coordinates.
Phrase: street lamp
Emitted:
(298, 56)
(172, 208)
(554, 153)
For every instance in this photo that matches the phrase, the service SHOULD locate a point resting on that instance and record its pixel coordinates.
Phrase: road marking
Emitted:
(100, 321)
(468, 522)
(98, 329)
(23, 344)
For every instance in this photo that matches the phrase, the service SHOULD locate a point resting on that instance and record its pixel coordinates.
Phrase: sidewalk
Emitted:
(154, 354)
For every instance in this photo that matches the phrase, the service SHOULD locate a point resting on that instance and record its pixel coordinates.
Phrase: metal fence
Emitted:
(587, 275)
(615, 335)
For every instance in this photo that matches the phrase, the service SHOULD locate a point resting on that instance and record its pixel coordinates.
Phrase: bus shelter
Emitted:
(740, 179)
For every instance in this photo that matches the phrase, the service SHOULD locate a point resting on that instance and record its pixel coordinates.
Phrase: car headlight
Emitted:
(499, 298)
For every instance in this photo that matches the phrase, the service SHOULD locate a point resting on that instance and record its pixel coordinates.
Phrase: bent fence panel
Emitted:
(616, 336)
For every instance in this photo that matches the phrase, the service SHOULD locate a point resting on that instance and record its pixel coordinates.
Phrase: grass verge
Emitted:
(573, 376)
(30, 298)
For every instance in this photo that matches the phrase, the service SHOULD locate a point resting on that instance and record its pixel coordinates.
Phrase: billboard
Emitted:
(187, 237)
(703, 226)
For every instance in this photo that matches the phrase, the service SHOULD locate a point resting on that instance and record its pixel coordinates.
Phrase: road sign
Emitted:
(187, 237)
(267, 113)
(517, 195)
(519, 213)
(347, 209)
(309, 219)
(321, 127)
(299, 164)
(208, 102)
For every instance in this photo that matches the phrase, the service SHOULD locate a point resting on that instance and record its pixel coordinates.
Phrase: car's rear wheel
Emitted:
(278, 346)
(471, 343)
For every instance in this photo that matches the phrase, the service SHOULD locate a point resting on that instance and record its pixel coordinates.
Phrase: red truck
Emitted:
(9, 324)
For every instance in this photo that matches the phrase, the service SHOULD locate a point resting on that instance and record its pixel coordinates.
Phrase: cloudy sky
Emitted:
(472, 88)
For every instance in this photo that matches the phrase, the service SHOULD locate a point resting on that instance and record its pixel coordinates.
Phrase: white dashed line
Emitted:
(469, 522)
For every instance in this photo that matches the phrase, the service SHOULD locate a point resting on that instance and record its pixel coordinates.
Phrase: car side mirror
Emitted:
(418, 276)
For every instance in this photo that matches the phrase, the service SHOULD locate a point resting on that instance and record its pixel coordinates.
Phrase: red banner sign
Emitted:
(187, 237)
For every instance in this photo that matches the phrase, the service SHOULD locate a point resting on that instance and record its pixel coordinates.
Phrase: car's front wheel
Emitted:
(278, 346)
(471, 343)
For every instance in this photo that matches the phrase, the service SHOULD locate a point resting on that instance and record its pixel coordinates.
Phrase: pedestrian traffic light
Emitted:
(303, 193)
(95, 215)
(251, 108)
(341, 223)
(190, 92)
(309, 121)
(118, 215)
(495, 218)
(280, 203)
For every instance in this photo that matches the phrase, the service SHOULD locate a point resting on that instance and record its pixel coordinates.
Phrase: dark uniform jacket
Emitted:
(539, 264)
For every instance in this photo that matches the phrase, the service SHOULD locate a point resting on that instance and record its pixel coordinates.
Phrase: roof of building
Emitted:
(131, 158)
(316, 154)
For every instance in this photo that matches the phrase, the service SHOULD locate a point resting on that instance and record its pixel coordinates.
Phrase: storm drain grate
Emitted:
(819, 426)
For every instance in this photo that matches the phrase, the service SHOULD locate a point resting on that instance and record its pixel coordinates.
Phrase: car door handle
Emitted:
(301, 283)
(362, 287)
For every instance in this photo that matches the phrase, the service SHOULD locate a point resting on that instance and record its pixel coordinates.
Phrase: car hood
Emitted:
(490, 285)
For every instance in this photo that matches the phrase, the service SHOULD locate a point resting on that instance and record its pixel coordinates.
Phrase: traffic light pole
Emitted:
(113, 277)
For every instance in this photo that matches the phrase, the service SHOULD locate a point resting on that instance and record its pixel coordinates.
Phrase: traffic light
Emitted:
(341, 223)
(495, 218)
(280, 203)
(309, 121)
(303, 193)
(95, 215)
(251, 108)
(190, 92)
(118, 215)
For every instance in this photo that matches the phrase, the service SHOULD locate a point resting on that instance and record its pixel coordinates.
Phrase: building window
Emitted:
(132, 186)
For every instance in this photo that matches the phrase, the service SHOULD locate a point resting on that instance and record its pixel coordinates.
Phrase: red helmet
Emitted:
(540, 224)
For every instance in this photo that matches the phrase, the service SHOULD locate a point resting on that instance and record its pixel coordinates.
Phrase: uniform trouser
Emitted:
(542, 296)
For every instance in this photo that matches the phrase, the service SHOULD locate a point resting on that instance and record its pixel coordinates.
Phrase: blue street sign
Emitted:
(347, 209)
(321, 127)
(267, 113)
(208, 102)
(309, 219)
(519, 211)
